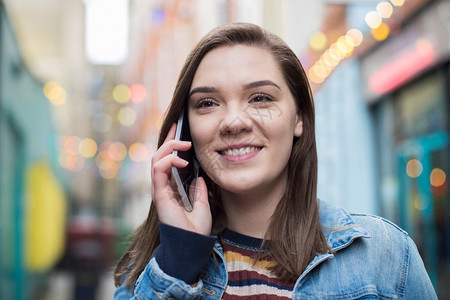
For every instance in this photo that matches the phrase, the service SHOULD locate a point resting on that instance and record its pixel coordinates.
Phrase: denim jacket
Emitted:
(371, 258)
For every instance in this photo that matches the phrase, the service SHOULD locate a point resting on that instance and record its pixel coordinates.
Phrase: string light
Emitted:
(381, 32)
(373, 19)
(385, 9)
(355, 35)
(345, 45)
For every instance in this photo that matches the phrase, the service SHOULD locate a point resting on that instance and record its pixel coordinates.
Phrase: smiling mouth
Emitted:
(240, 151)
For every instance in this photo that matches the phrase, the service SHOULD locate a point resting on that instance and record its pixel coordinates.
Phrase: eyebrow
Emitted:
(260, 83)
(209, 89)
(203, 89)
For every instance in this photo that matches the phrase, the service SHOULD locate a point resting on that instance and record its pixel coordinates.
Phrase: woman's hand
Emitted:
(165, 195)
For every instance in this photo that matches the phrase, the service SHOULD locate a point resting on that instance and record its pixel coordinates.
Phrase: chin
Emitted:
(238, 185)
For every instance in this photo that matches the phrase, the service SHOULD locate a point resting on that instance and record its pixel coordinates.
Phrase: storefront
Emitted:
(408, 79)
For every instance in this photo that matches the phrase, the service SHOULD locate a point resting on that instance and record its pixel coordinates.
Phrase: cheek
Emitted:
(194, 129)
(282, 136)
(203, 129)
(202, 138)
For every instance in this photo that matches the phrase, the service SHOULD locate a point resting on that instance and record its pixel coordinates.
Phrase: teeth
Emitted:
(240, 151)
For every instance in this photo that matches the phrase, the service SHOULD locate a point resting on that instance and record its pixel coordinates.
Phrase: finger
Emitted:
(168, 147)
(161, 170)
(171, 133)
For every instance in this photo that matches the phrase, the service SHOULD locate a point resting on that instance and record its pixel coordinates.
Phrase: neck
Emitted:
(250, 213)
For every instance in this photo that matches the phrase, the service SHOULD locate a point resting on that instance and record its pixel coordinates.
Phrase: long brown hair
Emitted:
(294, 235)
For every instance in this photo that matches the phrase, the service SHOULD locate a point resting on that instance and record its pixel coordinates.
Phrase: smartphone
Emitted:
(184, 176)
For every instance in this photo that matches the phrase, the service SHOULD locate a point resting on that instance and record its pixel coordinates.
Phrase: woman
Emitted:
(257, 229)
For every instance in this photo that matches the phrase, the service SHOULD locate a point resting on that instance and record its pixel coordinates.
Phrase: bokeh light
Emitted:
(104, 163)
(87, 148)
(343, 46)
(71, 145)
(117, 151)
(326, 66)
(437, 177)
(356, 36)
(55, 93)
(397, 2)
(314, 77)
(414, 168)
(385, 9)
(106, 166)
(320, 71)
(318, 41)
(107, 169)
(373, 19)
(126, 116)
(328, 60)
(381, 32)
(138, 152)
(138, 92)
(335, 54)
(71, 162)
(121, 93)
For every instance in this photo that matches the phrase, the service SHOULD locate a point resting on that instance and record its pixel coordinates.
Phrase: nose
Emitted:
(235, 121)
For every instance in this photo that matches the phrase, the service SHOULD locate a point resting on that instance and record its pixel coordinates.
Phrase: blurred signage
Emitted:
(419, 46)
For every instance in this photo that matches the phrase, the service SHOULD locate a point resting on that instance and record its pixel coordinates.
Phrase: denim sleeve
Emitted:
(155, 284)
(418, 283)
(173, 272)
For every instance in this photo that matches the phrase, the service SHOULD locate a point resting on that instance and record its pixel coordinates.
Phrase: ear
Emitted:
(298, 130)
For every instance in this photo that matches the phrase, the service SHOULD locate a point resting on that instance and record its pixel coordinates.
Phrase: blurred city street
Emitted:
(84, 85)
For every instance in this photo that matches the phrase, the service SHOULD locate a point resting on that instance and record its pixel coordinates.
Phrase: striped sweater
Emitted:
(247, 279)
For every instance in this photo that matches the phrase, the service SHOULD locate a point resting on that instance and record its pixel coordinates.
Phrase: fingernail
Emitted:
(186, 142)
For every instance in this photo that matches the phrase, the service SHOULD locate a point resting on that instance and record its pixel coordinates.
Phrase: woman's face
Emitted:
(243, 119)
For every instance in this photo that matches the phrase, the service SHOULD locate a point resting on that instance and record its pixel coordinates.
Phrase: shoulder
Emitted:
(387, 241)
(385, 238)
(369, 237)
(338, 222)
(377, 225)
(373, 257)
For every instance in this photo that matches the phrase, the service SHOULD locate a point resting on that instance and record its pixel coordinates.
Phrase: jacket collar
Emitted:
(338, 226)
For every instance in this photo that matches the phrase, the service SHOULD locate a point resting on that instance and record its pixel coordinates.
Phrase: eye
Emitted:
(205, 103)
(261, 98)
